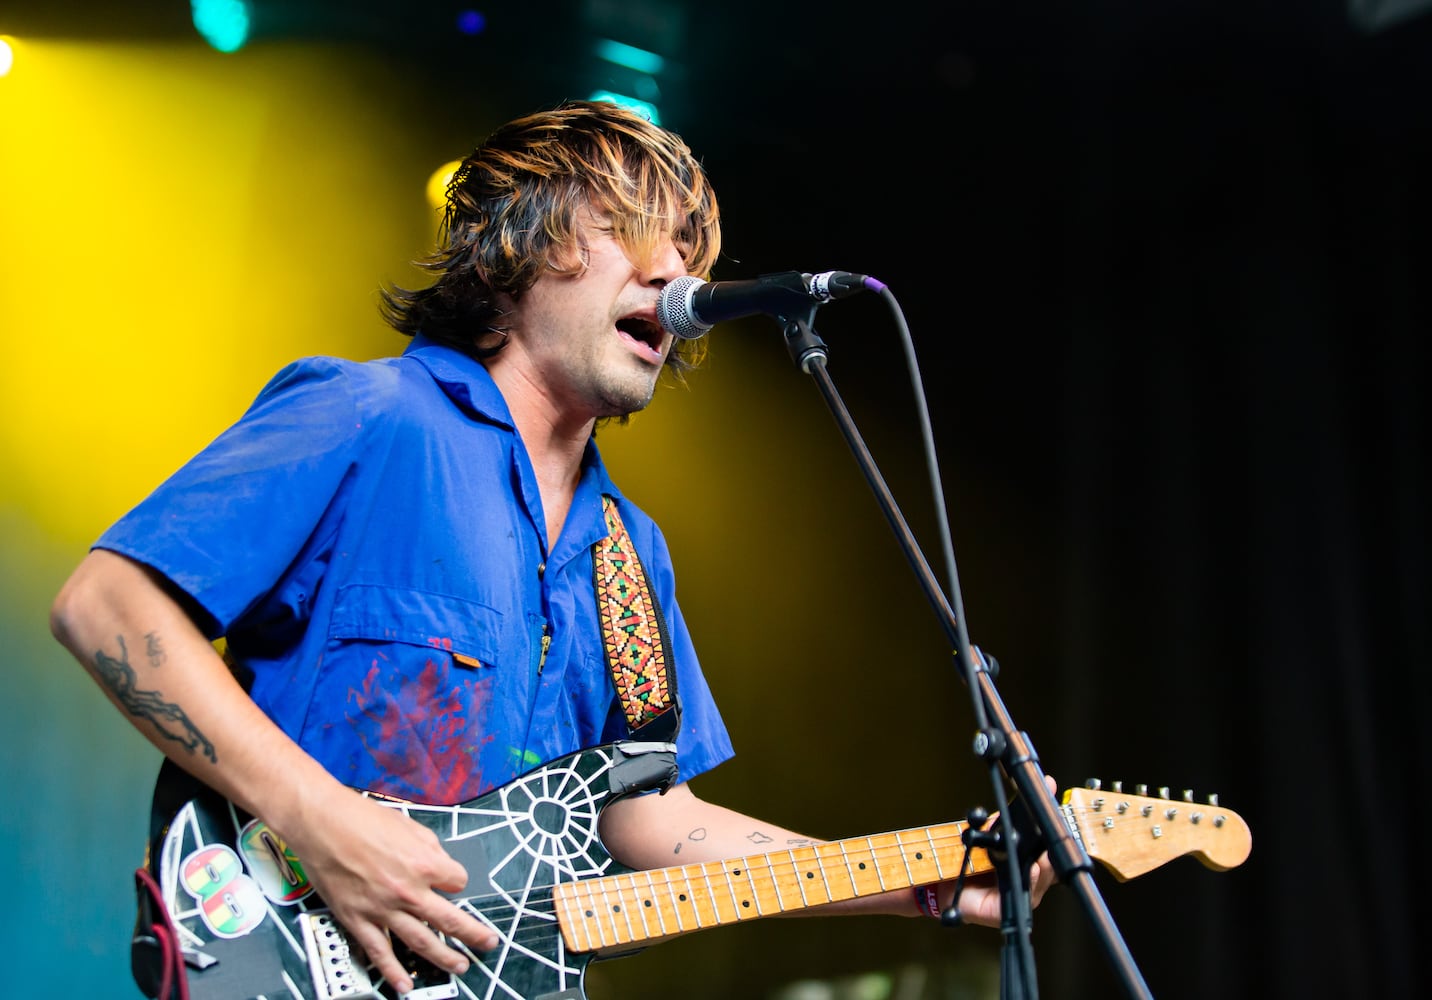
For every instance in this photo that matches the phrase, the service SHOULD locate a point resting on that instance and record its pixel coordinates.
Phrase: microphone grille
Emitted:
(673, 308)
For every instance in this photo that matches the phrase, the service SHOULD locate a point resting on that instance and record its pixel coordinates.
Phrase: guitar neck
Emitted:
(617, 910)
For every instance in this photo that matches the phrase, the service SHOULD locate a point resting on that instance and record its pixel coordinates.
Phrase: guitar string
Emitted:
(761, 877)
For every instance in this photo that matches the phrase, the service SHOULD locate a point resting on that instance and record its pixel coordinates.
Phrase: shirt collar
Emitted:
(467, 383)
(462, 377)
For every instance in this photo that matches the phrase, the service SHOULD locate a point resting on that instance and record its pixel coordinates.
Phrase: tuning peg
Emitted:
(1188, 794)
(1118, 786)
(1141, 789)
(1093, 784)
(1213, 799)
(1163, 791)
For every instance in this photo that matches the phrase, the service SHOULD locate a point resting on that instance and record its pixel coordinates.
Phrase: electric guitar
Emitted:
(226, 911)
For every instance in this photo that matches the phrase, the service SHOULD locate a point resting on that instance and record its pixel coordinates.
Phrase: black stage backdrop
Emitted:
(1167, 269)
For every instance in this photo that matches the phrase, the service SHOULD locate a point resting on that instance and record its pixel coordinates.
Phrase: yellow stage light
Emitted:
(438, 182)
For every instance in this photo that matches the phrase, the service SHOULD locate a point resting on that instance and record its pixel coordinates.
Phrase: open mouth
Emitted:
(645, 333)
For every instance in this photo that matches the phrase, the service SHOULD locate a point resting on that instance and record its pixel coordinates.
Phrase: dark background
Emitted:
(1164, 265)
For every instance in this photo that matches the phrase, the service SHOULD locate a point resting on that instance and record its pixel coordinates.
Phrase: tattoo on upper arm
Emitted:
(154, 648)
(168, 719)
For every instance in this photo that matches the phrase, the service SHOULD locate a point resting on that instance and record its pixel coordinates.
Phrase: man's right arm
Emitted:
(376, 869)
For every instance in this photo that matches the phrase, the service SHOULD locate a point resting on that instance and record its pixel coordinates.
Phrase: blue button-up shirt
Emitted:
(370, 540)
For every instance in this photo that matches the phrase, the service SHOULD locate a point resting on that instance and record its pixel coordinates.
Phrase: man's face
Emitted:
(590, 343)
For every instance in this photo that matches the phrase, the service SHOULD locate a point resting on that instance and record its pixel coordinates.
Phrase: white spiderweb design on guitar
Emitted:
(517, 842)
(550, 817)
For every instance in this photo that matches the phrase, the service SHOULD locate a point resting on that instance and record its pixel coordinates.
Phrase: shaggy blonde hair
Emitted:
(513, 211)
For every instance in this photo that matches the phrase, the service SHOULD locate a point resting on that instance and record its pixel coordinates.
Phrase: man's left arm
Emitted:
(657, 831)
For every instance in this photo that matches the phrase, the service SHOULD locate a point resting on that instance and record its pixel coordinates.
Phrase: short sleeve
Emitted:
(234, 519)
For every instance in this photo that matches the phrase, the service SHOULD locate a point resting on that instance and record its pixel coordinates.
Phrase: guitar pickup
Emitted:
(335, 968)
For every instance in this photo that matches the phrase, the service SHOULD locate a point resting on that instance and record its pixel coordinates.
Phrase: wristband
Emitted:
(928, 900)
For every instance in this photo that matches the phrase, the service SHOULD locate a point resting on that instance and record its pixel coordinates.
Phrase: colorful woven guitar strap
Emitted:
(634, 634)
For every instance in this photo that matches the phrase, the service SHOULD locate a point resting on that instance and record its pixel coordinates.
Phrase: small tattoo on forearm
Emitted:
(697, 834)
(154, 648)
(168, 719)
(800, 841)
(757, 837)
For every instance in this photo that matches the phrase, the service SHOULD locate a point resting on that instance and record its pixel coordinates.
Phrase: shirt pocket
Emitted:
(475, 634)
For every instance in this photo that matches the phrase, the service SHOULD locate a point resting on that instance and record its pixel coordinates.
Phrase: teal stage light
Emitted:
(223, 23)
(644, 108)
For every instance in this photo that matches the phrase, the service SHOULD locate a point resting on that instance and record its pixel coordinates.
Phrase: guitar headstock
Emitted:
(1134, 834)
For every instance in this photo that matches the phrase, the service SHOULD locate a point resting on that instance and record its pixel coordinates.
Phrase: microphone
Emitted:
(688, 306)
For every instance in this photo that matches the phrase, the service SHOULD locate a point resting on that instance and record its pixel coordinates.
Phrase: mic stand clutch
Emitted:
(1033, 824)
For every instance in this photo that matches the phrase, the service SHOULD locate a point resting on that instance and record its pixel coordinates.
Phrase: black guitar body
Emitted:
(239, 909)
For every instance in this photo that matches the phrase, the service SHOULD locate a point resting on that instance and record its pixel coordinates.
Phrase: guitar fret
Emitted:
(660, 910)
(827, 881)
(693, 898)
(581, 907)
(742, 905)
(775, 869)
(735, 903)
(849, 871)
(754, 888)
(800, 882)
(712, 893)
(603, 912)
(905, 860)
(934, 853)
(920, 865)
(875, 863)
(691, 901)
(623, 906)
(641, 905)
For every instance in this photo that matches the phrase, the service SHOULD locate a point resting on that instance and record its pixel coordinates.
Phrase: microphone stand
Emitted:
(1037, 825)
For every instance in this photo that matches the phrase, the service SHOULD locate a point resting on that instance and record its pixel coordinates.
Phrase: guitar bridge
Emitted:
(335, 968)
